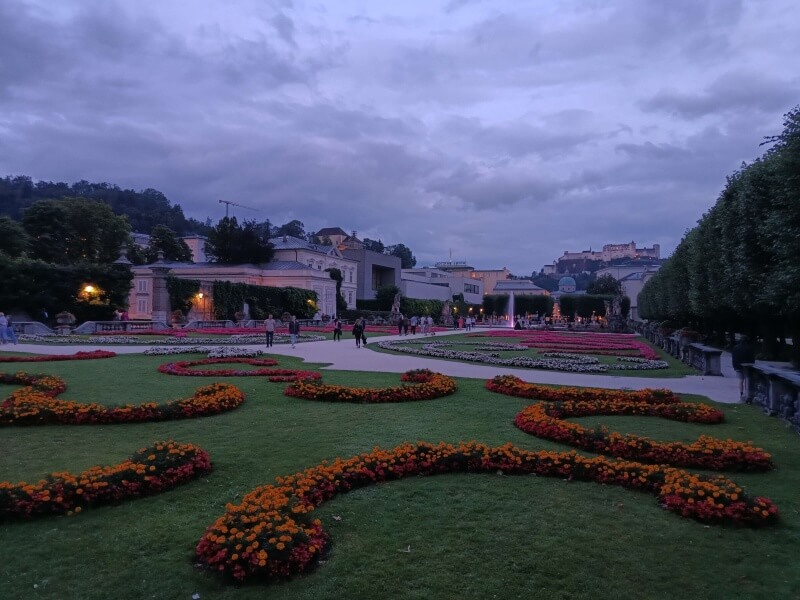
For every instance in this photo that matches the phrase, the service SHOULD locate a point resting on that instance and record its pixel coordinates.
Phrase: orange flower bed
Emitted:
(35, 404)
(273, 534)
(149, 471)
(94, 354)
(275, 375)
(424, 385)
(547, 420)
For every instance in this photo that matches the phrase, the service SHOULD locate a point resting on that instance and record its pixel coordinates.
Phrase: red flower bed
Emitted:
(424, 385)
(184, 367)
(149, 471)
(617, 344)
(273, 534)
(35, 404)
(547, 420)
(55, 357)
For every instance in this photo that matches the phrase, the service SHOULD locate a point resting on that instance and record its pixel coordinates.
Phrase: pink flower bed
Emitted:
(617, 344)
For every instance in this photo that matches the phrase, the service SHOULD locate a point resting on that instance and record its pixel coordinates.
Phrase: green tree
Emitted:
(384, 296)
(14, 240)
(293, 228)
(605, 285)
(163, 239)
(403, 252)
(374, 246)
(231, 243)
(74, 230)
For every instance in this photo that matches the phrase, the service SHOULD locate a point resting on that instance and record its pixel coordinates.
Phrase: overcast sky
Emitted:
(503, 131)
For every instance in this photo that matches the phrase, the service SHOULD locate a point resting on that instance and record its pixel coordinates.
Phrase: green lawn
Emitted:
(470, 536)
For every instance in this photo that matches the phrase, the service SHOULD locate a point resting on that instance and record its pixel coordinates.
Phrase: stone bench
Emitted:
(776, 389)
(705, 359)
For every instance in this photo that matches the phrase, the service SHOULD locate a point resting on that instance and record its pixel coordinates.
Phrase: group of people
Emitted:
(408, 326)
(7, 334)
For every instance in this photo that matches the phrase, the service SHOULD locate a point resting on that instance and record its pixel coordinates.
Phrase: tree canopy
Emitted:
(605, 285)
(738, 269)
(231, 243)
(74, 230)
(163, 239)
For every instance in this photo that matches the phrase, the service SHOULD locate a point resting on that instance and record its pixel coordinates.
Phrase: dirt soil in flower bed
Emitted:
(459, 535)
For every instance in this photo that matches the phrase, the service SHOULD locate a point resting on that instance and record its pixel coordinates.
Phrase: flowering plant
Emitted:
(425, 385)
(149, 471)
(35, 404)
(184, 368)
(547, 420)
(56, 357)
(272, 532)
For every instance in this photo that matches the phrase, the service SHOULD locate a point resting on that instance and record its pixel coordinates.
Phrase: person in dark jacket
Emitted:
(743, 353)
(294, 330)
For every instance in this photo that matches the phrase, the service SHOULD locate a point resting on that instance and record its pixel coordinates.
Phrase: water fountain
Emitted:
(510, 310)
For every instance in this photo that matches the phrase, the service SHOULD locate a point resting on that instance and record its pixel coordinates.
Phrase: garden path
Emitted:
(345, 356)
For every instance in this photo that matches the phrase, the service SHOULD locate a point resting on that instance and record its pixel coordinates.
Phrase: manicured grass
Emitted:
(470, 536)
(676, 367)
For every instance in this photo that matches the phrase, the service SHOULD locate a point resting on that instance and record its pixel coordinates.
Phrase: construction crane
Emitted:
(228, 204)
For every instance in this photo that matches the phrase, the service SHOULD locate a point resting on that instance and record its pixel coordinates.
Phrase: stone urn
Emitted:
(64, 322)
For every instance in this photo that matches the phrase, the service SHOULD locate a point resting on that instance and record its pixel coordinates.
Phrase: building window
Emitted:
(141, 285)
(470, 289)
(141, 305)
(349, 298)
(351, 275)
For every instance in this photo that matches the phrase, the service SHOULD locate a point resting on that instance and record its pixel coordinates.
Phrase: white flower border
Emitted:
(554, 361)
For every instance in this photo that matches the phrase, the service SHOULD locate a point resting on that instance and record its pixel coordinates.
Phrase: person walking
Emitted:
(10, 335)
(742, 353)
(294, 330)
(337, 329)
(400, 324)
(364, 332)
(3, 323)
(358, 331)
(269, 327)
(413, 323)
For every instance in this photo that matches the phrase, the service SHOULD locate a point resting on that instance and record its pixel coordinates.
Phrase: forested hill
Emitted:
(144, 209)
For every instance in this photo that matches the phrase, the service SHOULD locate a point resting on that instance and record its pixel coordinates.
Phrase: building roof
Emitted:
(516, 285)
(284, 265)
(331, 231)
(288, 242)
(566, 281)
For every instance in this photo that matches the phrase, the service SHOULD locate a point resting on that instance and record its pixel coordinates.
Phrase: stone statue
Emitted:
(446, 308)
(396, 304)
(617, 310)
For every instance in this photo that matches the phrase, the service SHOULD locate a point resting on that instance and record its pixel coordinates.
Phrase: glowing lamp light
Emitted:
(200, 295)
(89, 289)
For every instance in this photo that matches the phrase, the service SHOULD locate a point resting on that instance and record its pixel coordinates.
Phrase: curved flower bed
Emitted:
(94, 354)
(547, 420)
(273, 534)
(35, 405)
(424, 385)
(149, 471)
(185, 368)
(578, 342)
(561, 362)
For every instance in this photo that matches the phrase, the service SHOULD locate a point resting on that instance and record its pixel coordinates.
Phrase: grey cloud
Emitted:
(733, 91)
(285, 28)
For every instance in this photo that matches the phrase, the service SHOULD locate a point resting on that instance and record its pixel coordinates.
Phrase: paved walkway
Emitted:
(345, 356)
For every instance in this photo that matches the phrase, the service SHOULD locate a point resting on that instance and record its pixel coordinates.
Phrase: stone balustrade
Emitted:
(119, 326)
(775, 389)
